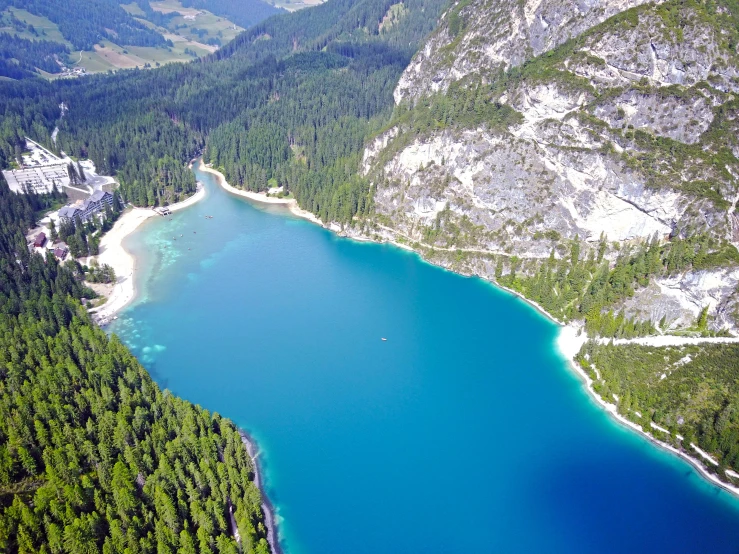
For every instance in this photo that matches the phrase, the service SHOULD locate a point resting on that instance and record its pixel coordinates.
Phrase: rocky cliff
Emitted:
(483, 38)
(523, 126)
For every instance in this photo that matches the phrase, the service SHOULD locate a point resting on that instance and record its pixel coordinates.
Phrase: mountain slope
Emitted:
(626, 132)
(483, 38)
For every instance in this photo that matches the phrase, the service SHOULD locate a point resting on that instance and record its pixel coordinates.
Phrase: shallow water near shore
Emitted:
(463, 432)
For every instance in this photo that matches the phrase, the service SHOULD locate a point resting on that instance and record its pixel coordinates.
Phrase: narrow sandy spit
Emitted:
(113, 253)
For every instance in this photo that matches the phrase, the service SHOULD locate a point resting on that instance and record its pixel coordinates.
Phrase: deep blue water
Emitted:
(464, 432)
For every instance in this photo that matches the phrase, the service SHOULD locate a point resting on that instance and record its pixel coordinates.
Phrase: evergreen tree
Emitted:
(72, 172)
(81, 173)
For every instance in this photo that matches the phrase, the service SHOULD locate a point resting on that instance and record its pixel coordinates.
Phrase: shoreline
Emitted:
(568, 342)
(124, 263)
(290, 203)
(570, 339)
(113, 253)
(267, 507)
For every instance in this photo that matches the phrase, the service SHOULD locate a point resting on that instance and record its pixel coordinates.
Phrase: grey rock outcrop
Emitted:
(628, 131)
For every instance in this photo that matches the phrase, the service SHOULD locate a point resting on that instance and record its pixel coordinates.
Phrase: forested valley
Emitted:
(94, 456)
(290, 102)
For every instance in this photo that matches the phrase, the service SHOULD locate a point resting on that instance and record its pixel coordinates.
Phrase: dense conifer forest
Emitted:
(20, 57)
(94, 457)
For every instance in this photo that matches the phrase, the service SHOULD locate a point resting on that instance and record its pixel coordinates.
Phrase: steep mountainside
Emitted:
(610, 123)
(483, 38)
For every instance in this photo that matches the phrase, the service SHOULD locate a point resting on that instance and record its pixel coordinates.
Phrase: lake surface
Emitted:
(464, 432)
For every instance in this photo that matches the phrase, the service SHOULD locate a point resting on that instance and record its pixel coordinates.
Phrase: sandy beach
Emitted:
(115, 255)
(289, 203)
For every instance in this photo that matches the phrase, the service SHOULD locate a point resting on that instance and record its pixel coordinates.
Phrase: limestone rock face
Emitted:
(621, 122)
(498, 34)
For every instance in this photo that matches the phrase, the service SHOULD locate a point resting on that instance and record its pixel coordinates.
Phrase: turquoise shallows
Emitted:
(463, 432)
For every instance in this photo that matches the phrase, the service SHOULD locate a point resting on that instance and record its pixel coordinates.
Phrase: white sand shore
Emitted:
(289, 203)
(115, 255)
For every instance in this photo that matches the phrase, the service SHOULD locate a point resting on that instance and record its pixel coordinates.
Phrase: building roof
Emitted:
(98, 195)
(69, 211)
(40, 239)
(72, 210)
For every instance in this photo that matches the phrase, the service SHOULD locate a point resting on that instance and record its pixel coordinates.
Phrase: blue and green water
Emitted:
(463, 432)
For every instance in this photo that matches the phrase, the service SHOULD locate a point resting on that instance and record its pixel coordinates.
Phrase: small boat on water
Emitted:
(384, 339)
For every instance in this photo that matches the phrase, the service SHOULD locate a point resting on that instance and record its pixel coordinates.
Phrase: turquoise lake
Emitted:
(464, 432)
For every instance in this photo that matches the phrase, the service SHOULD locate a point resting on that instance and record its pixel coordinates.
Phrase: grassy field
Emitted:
(133, 8)
(190, 20)
(168, 6)
(294, 5)
(108, 56)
